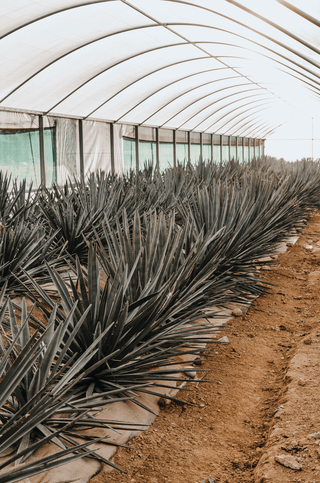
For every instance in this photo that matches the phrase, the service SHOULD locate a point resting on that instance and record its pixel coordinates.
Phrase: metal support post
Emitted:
(221, 148)
(157, 149)
(189, 147)
(201, 146)
(175, 149)
(112, 147)
(211, 148)
(81, 150)
(42, 154)
(137, 148)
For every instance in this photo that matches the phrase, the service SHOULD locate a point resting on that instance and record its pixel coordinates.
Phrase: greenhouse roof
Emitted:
(242, 68)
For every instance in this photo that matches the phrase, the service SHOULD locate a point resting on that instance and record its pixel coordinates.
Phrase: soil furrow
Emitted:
(225, 435)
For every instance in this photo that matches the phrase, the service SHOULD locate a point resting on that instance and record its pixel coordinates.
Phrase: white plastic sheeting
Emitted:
(178, 64)
(67, 148)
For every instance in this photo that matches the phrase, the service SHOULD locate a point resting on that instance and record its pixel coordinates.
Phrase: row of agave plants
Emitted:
(116, 272)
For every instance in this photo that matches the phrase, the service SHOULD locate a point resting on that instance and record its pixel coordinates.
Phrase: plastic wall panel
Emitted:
(182, 152)
(240, 149)
(96, 146)
(19, 147)
(166, 155)
(147, 154)
(206, 152)
(129, 155)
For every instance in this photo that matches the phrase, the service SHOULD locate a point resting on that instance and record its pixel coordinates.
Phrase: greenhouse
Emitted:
(112, 84)
(159, 241)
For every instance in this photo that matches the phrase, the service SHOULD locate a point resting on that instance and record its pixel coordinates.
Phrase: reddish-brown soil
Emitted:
(224, 435)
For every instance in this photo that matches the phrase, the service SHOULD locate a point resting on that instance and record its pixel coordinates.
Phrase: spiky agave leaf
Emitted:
(38, 382)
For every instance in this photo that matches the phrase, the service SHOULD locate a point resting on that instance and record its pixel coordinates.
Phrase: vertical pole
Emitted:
(312, 140)
(259, 143)
(175, 148)
(81, 150)
(243, 149)
(229, 143)
(263, 147)
(42, 156)
(112, 147)
(157, 149)
(237, 156)
(137, 148)
(189, 147)
(249, 154)
(211, 148)
(221, 148)
(201, 146)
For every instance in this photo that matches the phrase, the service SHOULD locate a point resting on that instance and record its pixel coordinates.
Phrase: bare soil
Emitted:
(225, 434)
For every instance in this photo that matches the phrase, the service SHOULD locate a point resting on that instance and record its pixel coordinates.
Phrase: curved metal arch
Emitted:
(91, 3)
(152, 50)
(149, 26)
(268, 128)
(263, 125)
(199, 99)
(180, 95)
(164, 87)
(277, 42)
(245, 132)
(85, 4)
(273, 129)
(276, 26)
(114, 65)
(218, 43)
(220, 108)
(86, 44)
(56, 12)
(240, 36)
(310, 88)
(246, 126)
(143, 53)
(176, 1)
(298, 54)
(237, 116)
(241, 121)
(299, 12)
(266, 56)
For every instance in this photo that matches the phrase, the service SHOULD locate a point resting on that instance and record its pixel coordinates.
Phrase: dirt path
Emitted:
(225, 434)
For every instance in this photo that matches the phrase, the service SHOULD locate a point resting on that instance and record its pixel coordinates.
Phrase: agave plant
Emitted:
(144, 331)
(163, 247)
(75, 209)
(40, 382)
